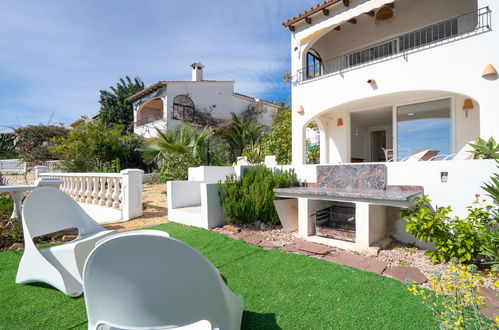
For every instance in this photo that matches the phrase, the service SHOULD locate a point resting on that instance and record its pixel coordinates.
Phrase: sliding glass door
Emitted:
(426, 125)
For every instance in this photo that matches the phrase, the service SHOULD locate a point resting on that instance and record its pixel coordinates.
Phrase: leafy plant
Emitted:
(115, 108)
(251, 198)
(463, 239)
(455, 302)
(485, 149)
(7, 145)
(175, 167)
(35, 143)
(180, 141)
(491, 247)
(254, 152)
(89, 147)
(240, 133)
(312, 152)
(277, 141)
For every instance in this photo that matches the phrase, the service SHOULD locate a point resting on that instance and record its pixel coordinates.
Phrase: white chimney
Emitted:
(197, 71)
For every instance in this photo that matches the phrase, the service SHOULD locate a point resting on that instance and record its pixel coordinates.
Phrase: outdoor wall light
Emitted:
(371, 81)
(467, 105)
(489, 73)
(340, 122)
(300, 110)
(444, 176)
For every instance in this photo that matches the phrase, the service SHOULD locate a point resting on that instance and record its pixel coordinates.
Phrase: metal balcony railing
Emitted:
(452, 29)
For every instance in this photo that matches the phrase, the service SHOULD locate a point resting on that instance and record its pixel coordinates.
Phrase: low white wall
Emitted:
(183, 193)
(210, 174)
(305, 173)
(211, 205)
(465, 178)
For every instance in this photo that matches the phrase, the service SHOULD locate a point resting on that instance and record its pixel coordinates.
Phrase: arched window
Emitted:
(183, 108)
(314, 64)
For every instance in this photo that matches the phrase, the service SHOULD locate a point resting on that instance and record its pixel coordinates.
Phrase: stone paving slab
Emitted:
(360, 262)
(252, 239)
(404, 273)
(232, 228)
(312, 247)
(291, 249)
(270, 245)
(490, 299)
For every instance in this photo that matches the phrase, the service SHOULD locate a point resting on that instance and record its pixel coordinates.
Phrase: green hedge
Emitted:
(251, 198)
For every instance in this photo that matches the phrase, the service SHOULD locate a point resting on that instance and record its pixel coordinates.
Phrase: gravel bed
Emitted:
(397, 254)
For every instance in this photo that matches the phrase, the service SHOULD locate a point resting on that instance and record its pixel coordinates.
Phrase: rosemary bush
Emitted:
(251, 198)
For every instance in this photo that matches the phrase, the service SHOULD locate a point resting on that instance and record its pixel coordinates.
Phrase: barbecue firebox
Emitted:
(336, 221)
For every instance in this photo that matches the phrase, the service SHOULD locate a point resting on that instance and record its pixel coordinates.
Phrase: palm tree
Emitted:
(242, 133)
(181, 140)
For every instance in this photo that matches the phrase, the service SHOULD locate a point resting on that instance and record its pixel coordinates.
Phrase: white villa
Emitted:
(397, 88)
(166, 103)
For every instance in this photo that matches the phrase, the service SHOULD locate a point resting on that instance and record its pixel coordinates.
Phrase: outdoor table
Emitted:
(17, 195)
(17, 192)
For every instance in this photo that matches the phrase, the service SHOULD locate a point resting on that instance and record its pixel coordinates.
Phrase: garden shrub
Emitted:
(456, 302)
(454, 237)
(34, 143)
(175, 167)
(277, 141)
(251, 198)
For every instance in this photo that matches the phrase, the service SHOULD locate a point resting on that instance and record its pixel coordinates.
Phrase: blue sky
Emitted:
(56, 55)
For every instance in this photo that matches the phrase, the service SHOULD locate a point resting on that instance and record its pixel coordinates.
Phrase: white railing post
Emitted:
(131, 202)
(40, 169)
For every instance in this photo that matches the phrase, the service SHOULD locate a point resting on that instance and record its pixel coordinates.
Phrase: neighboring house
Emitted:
(166, 103)
(386, 80)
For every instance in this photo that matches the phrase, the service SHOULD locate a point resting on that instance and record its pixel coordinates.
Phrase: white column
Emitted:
(362, 225)
(131, 203)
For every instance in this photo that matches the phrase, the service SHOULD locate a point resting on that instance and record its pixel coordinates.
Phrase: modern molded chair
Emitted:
(47, 210)
(146, 280)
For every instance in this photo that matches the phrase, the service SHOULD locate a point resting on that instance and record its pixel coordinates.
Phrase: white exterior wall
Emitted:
(451, 69)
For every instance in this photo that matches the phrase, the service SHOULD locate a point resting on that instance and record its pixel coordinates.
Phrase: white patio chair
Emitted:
(47, 210)
(463, 154)
(146, 280)
(388, 154)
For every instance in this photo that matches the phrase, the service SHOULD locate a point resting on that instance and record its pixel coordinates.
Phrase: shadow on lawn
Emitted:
(252, 320)
(48, 286)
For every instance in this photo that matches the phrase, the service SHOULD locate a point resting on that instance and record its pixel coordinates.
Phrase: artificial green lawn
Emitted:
(280, 291)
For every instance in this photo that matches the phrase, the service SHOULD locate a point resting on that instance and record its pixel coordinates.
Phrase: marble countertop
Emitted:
(392, 193)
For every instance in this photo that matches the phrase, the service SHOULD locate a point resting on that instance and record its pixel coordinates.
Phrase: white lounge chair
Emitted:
(146, 280)
(47, 210)
(416, 156)
(463, 154)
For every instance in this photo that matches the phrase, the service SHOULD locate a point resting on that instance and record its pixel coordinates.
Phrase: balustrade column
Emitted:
(88, 190)
(116, 193)
(109, 192)
(95, 192)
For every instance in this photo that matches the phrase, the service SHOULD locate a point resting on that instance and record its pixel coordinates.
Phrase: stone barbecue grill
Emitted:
(347, 207)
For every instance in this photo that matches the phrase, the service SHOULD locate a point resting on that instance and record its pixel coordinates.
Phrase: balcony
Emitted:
(475, 22)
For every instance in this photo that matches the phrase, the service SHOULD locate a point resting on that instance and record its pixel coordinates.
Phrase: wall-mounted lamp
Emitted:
(356, 132)
(339, 123)
(373, 83)
(467, 105)
(489, 72)
(444, 176)
(300, 110)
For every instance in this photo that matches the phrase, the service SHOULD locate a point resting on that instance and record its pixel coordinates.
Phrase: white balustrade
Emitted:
(104, 189)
